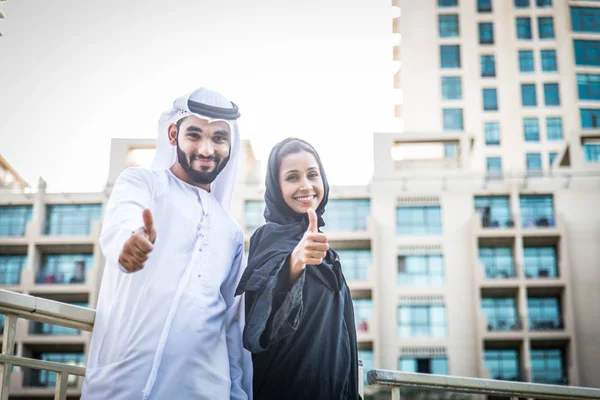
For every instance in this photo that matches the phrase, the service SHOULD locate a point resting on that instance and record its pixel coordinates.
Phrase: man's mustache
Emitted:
(201, 157)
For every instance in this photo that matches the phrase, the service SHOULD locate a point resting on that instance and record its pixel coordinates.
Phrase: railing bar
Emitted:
(42, 364)
(8, 349)
(33, 316)
(60, 392)
(396, 393)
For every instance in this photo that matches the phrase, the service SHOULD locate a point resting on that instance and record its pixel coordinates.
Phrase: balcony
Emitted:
(504, 325)
(491, 223)
(550, 377)
(549, 324)
(539, 222)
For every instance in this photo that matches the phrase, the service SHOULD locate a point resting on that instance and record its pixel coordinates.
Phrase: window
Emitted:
(551, 94)
(526, 63)
(488, 66)
(588, 86)
(532, 129)
(540, 262)
(486, 33)
(544, 3)
(528, 96)
(494, 211)
(500, 313)
(591, 150)
(366, 356)
(587, 52)
(524, 28)
(548, 366)
(363, 310)
(549, 60)
(544, 313)
(484, 6)
(537, 210)
(554, 128)
(347, 215)
(421, 270)
(450, 56)
(492, 133)
(497, 261)
(253, 214)
(494, 165)
(422, 321)
(448, 25)
(14, 219)
(40, 378)
(521, 3)
(451, 88)
(545, 28)
(355, 263)
(10, 269)
(551, 157)
(503, 364)
(453, 119)
(429, 365)
(71, 219)
(41, 328)
(585, 19)
(590, 118)
(490, 99)
(426, 220)
(64, 268)
(450, 150)
(447, 3)
(534, 163)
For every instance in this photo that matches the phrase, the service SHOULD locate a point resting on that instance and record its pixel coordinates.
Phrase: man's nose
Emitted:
(206, 148)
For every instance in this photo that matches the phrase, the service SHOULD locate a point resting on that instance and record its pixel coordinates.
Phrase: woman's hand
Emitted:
(311, 249)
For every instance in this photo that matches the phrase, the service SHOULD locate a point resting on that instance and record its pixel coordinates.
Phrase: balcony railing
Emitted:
(490, 222)
(539, 222)
(504, 324)
(499, 273)
(442, 383)
(535, 272)
(68, 277)
(546, 324)
(550, 377)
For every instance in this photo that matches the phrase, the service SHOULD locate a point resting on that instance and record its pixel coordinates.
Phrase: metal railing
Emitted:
(14, 305)
(405, 380)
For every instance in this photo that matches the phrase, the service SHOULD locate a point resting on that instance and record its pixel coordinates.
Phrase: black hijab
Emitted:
(273, 242)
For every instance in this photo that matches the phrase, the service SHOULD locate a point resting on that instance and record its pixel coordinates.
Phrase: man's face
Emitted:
(203, 148)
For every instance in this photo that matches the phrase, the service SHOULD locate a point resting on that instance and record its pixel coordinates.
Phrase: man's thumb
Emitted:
(148, 221)
(312, 221)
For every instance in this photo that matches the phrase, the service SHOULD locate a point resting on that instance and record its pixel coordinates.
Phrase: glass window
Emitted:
(546, 27)
(450, 56)
(492, 133)
(347, 215)
(549, 61)
(537, 210)
(355, 263)
(450, 150)
(548, 367)
(430, 365)
(486, 33)
(366, 356)
(421, 270)
(531, 128)
(587, 52)
(528, 95)
(10, 268)
(544, 3)
(71, 219)
(534, 162)
(497, 261)
(64, 268)
(521, 3)
(447, 3)
(484, 6)
(453, 119)
(40, 378)
(490, 99)
(554, 128)
(551, 157)
(363, 310)
(524, 28)
(422, 321)
(425, 220)
(488, 66)
(551, 94)
(588, 86)
(544, 313)
(14, 219)
(448, 25)
(253, 214)
(540, 262)
(41, 328)
(526, 63)
(585, 19)
(494, 165)
(591, 151)
(451, 88)
(494, 210)
(590, 118)
(502, 364)
(500, 313)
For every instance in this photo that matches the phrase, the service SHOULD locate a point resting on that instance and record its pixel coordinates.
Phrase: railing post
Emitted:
(361, 379)
(396, 393)
(8, 348)
(60, 392)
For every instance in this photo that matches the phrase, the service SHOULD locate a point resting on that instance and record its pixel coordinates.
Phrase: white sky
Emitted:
(76, 73)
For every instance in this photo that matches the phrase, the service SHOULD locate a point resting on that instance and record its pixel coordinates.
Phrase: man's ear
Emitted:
(172, 134)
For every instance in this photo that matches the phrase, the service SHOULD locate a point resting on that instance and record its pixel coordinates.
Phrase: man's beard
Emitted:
(201, 177)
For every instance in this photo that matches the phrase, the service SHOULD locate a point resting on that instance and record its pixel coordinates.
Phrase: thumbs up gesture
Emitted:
(137, 248)
(311, 250)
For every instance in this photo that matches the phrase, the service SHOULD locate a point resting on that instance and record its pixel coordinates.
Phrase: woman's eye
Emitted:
(313, 175)
(292, 178)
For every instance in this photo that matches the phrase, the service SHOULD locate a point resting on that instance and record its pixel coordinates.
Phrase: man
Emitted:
(168, 325)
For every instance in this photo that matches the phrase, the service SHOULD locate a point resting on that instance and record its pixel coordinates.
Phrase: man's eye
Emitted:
(219, 138)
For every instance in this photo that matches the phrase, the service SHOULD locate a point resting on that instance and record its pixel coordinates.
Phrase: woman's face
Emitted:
(300, 181)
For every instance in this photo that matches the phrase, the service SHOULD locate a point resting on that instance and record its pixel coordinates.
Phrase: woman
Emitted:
(299, 315)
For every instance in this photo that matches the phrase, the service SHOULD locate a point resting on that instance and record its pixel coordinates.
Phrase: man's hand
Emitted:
(311, 249)
(137, 248)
